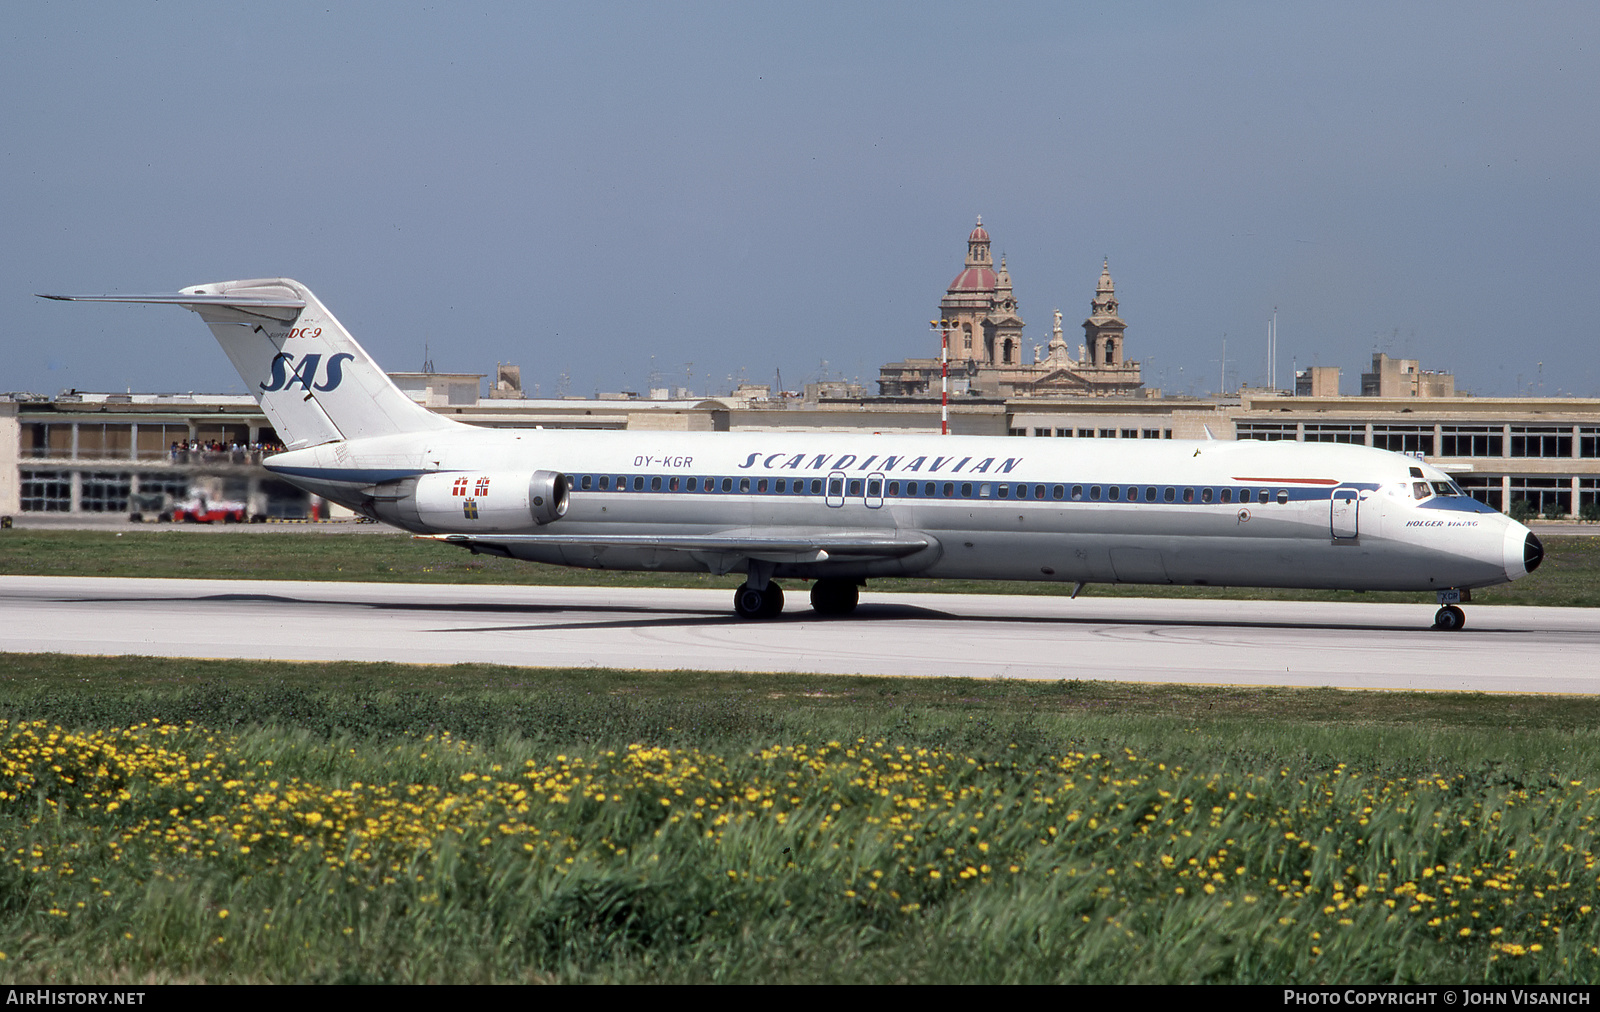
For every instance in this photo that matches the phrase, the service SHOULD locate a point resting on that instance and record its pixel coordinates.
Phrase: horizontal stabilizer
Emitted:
(180, 299)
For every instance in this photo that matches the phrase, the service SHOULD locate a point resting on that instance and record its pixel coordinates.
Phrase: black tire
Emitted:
(834, 597)
(774, 605)
(758, 604)
(1449, 619)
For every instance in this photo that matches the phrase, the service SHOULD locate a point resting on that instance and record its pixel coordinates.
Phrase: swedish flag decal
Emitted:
(469, 509)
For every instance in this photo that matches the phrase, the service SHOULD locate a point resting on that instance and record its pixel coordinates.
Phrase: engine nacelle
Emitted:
(456, 502)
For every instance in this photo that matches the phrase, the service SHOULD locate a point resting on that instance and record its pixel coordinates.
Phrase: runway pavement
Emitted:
(1390, 646)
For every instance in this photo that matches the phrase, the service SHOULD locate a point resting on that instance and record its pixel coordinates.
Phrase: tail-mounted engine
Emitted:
(457, 502)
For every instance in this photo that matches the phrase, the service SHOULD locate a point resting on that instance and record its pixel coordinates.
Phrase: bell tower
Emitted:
(1103, 330)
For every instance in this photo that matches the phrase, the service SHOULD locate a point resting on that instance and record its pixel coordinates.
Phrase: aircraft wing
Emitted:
(797, 547)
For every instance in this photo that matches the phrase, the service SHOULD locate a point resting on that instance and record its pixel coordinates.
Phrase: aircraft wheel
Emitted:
(751, 603)
(1449, 619)
(834, 597)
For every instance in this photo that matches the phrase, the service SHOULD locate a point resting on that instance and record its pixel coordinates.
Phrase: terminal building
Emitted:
(81, 453)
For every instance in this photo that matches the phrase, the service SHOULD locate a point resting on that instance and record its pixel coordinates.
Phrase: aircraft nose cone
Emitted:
(1532, 552)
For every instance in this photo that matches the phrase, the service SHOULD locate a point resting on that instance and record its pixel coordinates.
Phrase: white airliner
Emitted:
(840, 509)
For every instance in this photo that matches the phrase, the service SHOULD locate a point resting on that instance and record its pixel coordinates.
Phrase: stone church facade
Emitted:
(986, 345)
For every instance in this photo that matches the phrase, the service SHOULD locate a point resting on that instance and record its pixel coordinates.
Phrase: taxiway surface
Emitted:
(1386, 646)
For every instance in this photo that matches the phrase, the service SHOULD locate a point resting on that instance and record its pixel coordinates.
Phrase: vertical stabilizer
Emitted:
(314, 382)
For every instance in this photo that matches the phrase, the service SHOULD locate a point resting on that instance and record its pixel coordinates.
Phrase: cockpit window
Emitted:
(1445, 488)
(1420, 489)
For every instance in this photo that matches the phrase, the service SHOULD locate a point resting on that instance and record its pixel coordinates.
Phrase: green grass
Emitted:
(1345, 836)
(1569, 577)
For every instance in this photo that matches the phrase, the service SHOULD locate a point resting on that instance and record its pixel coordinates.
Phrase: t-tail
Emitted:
(314, 382)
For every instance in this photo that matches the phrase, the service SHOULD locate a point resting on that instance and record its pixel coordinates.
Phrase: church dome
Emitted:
(979, 234)
(974, 279)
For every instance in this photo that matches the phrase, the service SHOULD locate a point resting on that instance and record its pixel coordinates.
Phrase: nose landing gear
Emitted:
(1449, 617)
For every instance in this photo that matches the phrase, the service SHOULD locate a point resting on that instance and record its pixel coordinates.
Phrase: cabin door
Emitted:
(1346, 505)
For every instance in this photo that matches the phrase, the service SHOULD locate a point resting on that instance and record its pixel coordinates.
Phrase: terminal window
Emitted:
(105, 491)
(1416, 440)
(1471, 441)
(1540, 441)
(46, 491)
(1266, 430)
(1335, 433)
(1548, 497)
(1588, 441)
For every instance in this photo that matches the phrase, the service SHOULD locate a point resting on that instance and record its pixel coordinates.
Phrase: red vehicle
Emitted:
(200, 510)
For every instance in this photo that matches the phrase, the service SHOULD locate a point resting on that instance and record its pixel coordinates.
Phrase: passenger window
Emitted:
(1113, 493)
(1003, 491)
(966, 490)
(655, 484)
(1058, 491)
(1094, 493)
(761, 485)
(836, 486)
(855, 486)
(983, 490)
(693, 485)
(1038, 491)
(744, 484)
(875, 487)
(1188, 495)
(1170, 495)
(1205, 495)
(1283, 497)
(782, 485)
(605, 482)
(672, 484)
(727, 484)
(949, 489)
(1264, 497)
(585, 484)
(638, 483)
(816, 486)
(1022, 491)
(1077, 493)
(911, 488)
(894, 488)
(1226, 495)
(1150, 493)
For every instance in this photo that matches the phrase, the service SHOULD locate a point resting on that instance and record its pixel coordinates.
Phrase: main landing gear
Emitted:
(835, 597)
(1449, 617)
(763, 599)
(748, 602)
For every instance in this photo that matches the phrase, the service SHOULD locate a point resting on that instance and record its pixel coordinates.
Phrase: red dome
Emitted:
(974, 279)
(978, 234)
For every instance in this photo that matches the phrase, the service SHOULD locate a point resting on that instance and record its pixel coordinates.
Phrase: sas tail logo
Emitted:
(286, 373)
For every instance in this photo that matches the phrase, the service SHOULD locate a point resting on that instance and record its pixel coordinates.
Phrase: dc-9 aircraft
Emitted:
(841, 509)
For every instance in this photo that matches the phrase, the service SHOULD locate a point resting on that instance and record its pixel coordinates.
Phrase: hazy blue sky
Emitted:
(752, 186)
